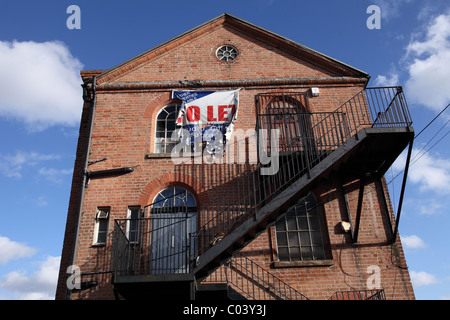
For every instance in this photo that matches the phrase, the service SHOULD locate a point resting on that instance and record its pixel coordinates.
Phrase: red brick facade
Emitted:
(128, 99)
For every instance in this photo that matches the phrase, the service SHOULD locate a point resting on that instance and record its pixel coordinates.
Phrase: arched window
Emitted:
(288, 115)
(298, 233)
(165, 126)
(174, 199)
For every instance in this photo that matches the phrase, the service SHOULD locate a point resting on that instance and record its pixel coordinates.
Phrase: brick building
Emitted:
(295, 206)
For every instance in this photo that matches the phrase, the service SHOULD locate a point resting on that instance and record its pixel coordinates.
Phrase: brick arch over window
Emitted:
(151, 112)
(289, 113)
(190, 183)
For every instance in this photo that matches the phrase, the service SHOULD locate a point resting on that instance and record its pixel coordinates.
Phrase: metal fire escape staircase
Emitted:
(358, 141)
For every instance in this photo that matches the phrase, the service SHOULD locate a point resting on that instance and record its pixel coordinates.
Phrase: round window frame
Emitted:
(233, 48)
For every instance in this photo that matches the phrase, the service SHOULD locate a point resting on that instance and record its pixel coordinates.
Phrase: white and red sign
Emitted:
(202, 111)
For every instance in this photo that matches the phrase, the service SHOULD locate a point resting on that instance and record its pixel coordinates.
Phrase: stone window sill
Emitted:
(290, 264)
(169, 155)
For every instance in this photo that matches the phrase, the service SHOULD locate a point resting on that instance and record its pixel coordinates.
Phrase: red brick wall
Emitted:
(349, 267)
(123, 131)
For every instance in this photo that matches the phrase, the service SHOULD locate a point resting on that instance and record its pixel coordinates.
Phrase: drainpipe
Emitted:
(88, 88)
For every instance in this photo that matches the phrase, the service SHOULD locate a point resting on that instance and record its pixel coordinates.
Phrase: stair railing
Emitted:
(299, 151)
(247, 279)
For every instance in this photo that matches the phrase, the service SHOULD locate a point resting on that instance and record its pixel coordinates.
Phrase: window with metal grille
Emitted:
(165, 126)
(298, 233)
(289, 114)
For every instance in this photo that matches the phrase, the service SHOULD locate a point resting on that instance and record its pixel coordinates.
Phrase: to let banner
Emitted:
(204, 113)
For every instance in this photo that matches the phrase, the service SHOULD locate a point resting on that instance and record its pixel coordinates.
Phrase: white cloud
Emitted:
(422, 278)
(54, 175)
(390, 9)
(387, 81)
(41, 285)
(12, 250)
(41, 202)
(12, 164)
(429, 171)
(413, 242)
(431, 206)
(40, 84)
(428, 67)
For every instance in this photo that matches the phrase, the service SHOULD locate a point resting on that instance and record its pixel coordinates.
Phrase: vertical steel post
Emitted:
(402, 192)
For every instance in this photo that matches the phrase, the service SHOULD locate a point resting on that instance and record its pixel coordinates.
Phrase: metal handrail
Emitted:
(252, 281)
(261, 284)
(305, 147)
(322, 134)
(375, 294)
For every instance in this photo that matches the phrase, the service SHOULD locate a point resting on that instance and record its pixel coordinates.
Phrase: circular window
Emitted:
(227, 53)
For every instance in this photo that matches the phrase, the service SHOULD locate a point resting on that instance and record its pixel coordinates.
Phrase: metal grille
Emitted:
(165, 243)
(307, 139)
(320, 134)
(377, 294)
(253, 282)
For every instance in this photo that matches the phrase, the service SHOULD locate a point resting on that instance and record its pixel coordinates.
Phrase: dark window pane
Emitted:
(302, 223)
(170, 108)
(134, 213)
(168, 192)
(319, 253)
(291, 223)
(132, 237)
(281, 239)
(281, 224)
(102, 230)
(306, 253)
(191, 200)
(160, 125)
(283, 254)
(300, 211)
(314, 223)
(316, 238)
(294, 253)
(101, 237)
(293, 239)
(304, 239)
(162, 115)
(172, 116)
(170, 125)
(103, 225)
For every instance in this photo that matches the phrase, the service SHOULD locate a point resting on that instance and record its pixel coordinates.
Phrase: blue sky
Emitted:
(40, 106)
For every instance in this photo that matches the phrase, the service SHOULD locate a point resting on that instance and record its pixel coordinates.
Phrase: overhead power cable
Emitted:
(414, 160)
(431, 121)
